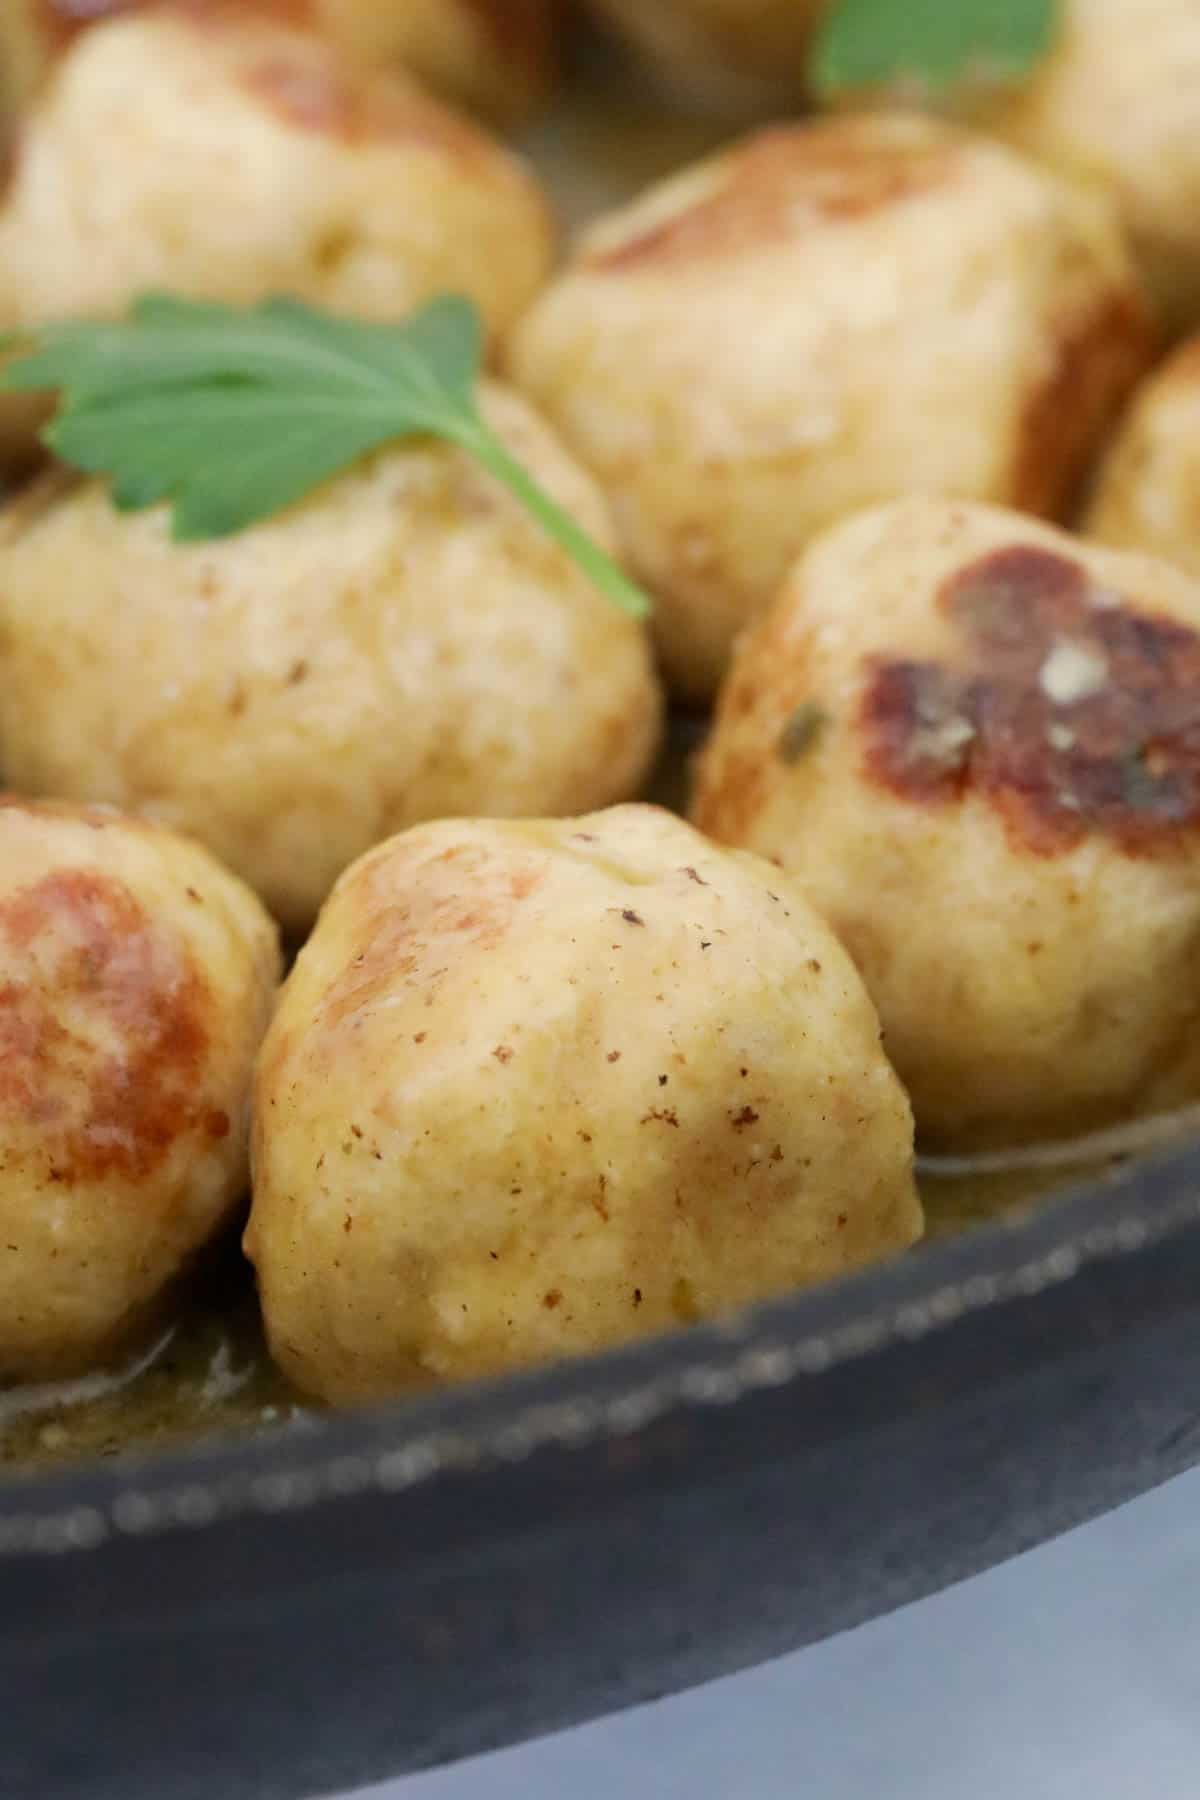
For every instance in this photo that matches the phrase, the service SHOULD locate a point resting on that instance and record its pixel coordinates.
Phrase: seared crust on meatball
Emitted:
(136, 977)
(827, 315)
(404, 644)
(537, 1088)
(975, 743)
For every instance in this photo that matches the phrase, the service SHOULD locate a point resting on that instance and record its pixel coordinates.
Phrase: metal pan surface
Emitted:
(385, 1591)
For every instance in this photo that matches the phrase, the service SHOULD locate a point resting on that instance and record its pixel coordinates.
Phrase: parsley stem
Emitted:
(476, 438)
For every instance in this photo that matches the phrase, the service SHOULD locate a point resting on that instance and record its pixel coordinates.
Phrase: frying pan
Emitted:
(303, 1613)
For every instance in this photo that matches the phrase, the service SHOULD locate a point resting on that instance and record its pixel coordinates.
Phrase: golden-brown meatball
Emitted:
(975, 742)
(827, 315)
(495, 54)
(136, 977)
(536, 1088)
(723, 52)
(1147, 495)
(1118, 101)
(232, 158)
(405, 644)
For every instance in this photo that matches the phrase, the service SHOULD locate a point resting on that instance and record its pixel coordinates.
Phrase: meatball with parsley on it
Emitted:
(226, 156)
(404, 643)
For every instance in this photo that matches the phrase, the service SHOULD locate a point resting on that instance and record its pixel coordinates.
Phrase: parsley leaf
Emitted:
(232, 414)
(867, 43)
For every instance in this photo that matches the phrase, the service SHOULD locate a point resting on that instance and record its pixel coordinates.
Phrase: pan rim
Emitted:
(407, 1443)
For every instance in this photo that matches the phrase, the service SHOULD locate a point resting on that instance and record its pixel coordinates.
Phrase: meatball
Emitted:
(232, 158)
(827, 315)
(405, 644)
(536, 1088)
(727, 53)
(136, 978)
(975, 743)
(1118, 101)
(492, 53)
(1147, 495)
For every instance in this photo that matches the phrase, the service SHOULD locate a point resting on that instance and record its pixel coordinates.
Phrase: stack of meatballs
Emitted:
(857, 400)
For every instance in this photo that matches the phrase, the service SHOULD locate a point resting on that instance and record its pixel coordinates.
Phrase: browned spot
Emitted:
(598, 1200)
(784, 181)
(692, 876)
(614, 1056)
(1070, 710)
(102, 1028)
(745, 1115)
(410, 925)
(519, 29)
(662, 1115)
(1095, 359)
(310, 88)
(552, 1299)
(632, 918)
(502, 1053)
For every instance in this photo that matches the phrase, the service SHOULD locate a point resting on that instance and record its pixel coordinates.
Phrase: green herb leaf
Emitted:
(801, 731)
(232, 414)
(930, 43)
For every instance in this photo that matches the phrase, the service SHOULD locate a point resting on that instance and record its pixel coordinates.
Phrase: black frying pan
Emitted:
(305, 1613)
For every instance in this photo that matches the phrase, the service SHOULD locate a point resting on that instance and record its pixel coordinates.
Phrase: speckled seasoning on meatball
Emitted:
(136, 979)
(824, 316)
(975, 743)
(536, 1088)
(404, 644)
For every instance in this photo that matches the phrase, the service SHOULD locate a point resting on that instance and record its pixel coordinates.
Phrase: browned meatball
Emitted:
(975, 742)
(136, 978)
(823, 316)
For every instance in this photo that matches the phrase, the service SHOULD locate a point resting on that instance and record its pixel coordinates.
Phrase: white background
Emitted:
(1072, 1673)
